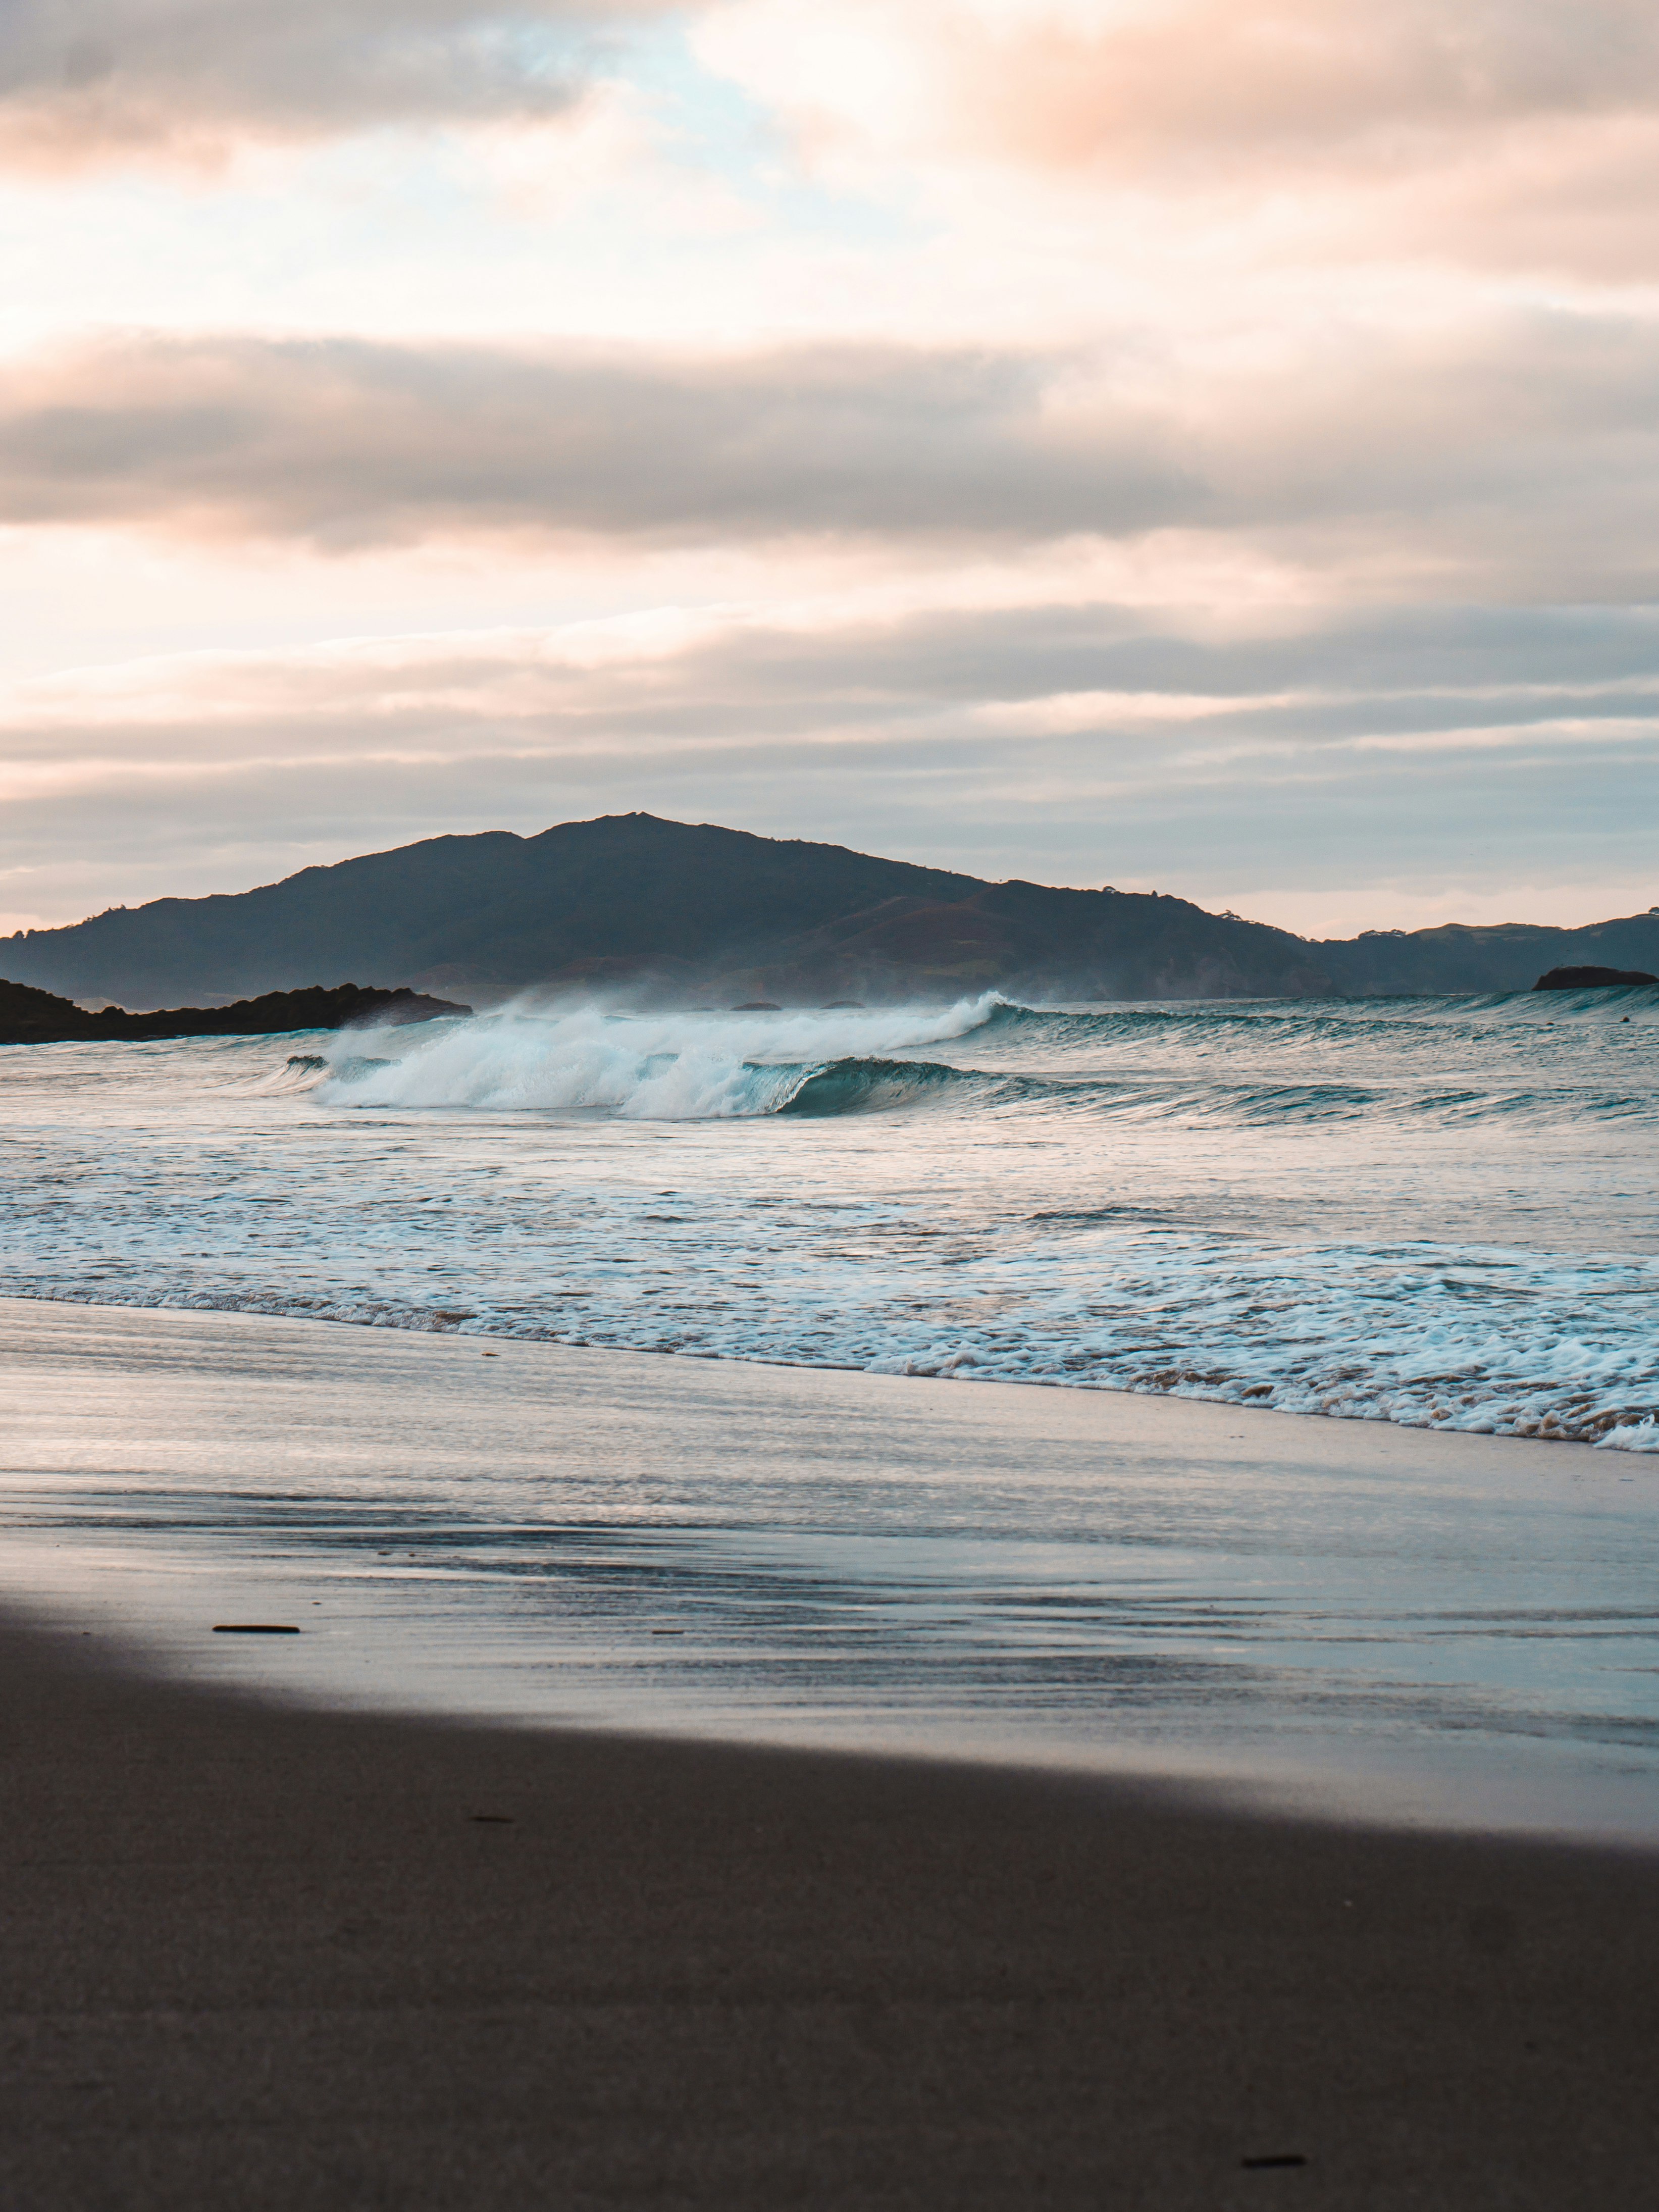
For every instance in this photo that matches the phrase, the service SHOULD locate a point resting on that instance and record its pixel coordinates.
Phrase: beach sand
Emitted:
(257, 1957)
(258, 1953)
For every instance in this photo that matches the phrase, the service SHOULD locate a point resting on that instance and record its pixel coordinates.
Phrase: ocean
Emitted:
(1367, 1240)
(1438, 1213)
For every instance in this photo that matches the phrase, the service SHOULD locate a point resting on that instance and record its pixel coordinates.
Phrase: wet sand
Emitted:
(1355, 1617)
(264, 1943)
(257, 1956)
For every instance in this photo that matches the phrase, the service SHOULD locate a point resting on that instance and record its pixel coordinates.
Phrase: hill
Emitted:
(1508, 956)
(670, 910)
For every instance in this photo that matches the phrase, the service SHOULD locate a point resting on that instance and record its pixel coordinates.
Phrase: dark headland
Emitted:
(677, 913)
(31, 1017)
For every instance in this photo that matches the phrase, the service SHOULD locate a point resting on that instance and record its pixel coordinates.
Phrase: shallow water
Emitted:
(1341, 1616)
(1433, 1211)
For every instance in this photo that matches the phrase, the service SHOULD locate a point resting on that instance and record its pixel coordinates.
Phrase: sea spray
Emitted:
(668, 1067)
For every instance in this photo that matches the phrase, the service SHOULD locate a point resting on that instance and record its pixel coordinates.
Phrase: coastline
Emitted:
(1324, 1616)
(266, 1956)
(1631, 1432)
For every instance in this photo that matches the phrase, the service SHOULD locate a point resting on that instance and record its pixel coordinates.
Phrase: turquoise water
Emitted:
(1439, 1212)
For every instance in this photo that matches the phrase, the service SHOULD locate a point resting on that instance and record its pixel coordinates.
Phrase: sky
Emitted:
(1203, 446)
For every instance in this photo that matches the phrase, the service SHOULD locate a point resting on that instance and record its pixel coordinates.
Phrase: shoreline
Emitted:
(266, 1956)
(1332, 1618)
(1597, 1436)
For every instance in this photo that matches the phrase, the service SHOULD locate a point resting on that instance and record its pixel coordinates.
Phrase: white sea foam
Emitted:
(1633, 1435)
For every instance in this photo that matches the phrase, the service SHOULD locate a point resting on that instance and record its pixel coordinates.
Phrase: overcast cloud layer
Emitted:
(347, 443)
(1204, 444)
(1526, 451)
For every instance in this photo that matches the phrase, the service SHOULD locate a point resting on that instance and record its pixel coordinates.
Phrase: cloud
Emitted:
(1496, 133)
(1188, 316)
(1387, 768)
(346, 443)
(1521, 454)
(1211, 83)
(86, 80)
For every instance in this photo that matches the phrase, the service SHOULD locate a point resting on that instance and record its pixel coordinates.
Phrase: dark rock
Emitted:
(1590, 979)
(758, 1006)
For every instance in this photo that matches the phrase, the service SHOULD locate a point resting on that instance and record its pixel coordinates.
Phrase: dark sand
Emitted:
(256, 1957)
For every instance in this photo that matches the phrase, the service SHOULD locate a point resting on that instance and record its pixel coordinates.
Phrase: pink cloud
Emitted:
(1208, 83)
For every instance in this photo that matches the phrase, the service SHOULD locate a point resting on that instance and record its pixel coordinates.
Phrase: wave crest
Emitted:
(679, 1066)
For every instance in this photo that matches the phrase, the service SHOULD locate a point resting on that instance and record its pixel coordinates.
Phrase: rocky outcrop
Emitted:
(1589, 979)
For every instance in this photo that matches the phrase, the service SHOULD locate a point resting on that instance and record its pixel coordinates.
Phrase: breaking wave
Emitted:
(676, 1066)
(1447, 1062)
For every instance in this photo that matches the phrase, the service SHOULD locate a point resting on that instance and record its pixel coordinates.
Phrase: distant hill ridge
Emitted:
(669, 910)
